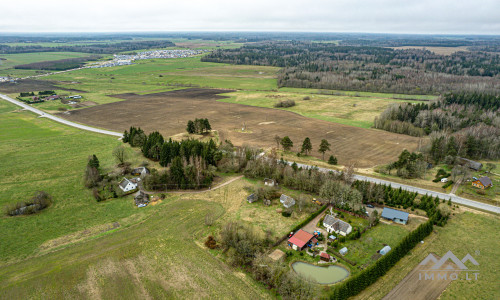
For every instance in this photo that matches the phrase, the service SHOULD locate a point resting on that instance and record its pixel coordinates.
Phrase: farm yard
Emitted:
(168, 113)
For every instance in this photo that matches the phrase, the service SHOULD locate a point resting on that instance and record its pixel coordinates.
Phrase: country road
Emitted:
(454, 198)
(57, 119)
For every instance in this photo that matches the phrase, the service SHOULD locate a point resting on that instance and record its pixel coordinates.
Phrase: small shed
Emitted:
(332, 237)
(252, 198)
(384, 250)
(270, 182)
(474, 165)
(444, 180)
(324, 256)
(343, 251)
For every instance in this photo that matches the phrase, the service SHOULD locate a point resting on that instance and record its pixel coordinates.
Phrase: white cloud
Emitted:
(391, 16)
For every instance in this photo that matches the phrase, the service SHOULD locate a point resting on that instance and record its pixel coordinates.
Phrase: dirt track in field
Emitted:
(416, 286)
(168, 112)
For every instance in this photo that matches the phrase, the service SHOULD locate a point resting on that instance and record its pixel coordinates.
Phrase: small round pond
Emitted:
(321, 275)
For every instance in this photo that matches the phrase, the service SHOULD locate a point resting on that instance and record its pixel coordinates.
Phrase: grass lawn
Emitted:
(38, 154)
(465, 233)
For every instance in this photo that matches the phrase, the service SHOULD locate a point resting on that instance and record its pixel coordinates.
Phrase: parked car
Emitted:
(370, 206)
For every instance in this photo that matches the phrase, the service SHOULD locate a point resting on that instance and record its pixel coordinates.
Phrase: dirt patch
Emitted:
(277, 255)
(414, 285)
(168, 112)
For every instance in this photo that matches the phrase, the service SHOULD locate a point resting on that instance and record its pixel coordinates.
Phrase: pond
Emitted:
(321, 275)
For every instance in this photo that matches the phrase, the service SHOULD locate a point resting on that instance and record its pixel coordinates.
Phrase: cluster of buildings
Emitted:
(7, 79)
(127, 59)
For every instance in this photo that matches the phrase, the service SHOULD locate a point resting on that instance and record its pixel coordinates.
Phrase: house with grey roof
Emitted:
(338, 226)
(287, 201)
(141, 171)
(483, 183)
(395, 215)
(127, 185)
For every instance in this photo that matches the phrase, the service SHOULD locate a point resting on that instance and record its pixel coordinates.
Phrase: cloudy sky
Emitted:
(384, 16)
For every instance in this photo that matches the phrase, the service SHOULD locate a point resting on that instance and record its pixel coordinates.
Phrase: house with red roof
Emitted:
(301, 239)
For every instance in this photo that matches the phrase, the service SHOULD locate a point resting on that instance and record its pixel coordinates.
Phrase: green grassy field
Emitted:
(38, 154)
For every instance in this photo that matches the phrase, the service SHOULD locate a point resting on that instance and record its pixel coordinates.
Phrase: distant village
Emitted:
(127, 59)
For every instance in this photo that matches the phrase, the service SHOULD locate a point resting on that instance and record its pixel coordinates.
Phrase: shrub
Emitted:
(39, 201)
(286, 214)
(211, 243)
(285, 103)
(306, 98)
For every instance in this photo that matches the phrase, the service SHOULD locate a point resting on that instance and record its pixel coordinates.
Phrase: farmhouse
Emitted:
(338, 226)
(141, 171)
(270, 182)
(127, 185)
(397, 216)
(483, 183)
(252, 198)
(301, 239)
(474, 165)
(287, 201)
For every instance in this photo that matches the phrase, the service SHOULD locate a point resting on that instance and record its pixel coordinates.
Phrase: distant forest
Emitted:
(102, 48)
(463, 124)
(367, 68)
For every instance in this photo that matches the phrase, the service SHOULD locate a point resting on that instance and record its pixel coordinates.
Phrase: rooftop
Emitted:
(390, 213)
(301, 238)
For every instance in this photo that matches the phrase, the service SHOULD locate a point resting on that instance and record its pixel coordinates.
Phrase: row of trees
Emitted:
(306, 148)
(198, 126)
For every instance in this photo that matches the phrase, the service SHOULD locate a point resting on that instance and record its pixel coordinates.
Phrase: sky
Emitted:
(369, 16)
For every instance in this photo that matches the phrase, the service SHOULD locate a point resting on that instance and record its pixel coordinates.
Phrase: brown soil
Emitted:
(414, 285)
(168, 112)
(31, 85)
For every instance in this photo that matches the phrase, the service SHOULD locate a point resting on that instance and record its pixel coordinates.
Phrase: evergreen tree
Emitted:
(93, 161)
(190, 127)
(177, 171)
(332, 160)
(287, 143)
(323, 147)
(306, 146)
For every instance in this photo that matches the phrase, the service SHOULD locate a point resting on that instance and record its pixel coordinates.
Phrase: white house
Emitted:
(338, 226)
(127, 185)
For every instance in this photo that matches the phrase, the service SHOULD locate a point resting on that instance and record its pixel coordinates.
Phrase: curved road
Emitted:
(443, 196)
(454, 198)
(57, 119)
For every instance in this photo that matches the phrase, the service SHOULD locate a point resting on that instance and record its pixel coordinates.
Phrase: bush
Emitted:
(286, 214)
(332, 160)
(285, 103)
(306, 98)
(39, 201)
(211, 243)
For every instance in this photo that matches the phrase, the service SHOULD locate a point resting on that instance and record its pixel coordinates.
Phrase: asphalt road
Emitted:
(454, 198)
(57, 119)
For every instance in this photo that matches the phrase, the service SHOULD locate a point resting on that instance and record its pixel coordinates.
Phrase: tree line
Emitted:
(367, 68)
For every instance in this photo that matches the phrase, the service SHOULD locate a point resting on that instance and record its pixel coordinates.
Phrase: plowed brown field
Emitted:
(168, 112)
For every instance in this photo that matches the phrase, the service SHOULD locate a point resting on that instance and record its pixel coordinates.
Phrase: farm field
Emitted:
(345, 109)
(38, 154)
(7, 66)
(169, 112)
(455, 236)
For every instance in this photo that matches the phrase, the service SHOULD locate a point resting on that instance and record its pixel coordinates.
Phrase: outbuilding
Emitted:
(252, 198)
(324, 256)
(300, 240)
(343, 251)
(384, 250)
(287, 201)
